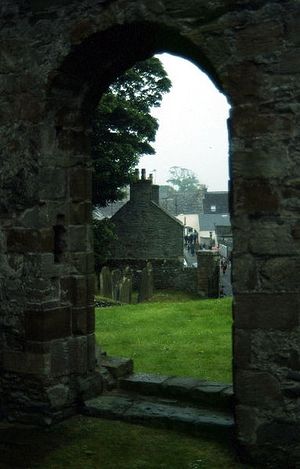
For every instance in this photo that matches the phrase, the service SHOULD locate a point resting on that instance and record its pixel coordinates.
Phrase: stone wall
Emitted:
(208, 272)
(166, 273)
(56, 58)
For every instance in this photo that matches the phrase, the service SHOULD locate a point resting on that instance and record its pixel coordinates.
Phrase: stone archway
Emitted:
(56, 59)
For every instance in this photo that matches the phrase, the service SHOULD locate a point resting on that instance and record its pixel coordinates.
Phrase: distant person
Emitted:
(222, 292)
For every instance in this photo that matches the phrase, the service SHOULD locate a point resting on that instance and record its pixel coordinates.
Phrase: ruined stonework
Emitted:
(56, 58)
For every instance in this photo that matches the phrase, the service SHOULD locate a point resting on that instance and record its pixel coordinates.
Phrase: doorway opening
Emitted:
(146, 234)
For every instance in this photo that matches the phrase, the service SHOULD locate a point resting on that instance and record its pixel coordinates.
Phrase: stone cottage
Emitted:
(144, 230)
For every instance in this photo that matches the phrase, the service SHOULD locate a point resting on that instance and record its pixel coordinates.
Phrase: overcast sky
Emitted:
(192, 127)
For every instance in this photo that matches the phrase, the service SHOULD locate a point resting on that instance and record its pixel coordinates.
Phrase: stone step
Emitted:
(118, 367)
(112, 369)
(158, 412)
(208, 393)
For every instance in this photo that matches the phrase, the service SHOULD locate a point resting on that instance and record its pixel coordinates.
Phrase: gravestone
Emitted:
(126, 286)
(116, 279)
(125, 290)
(106, 282)
(146, 284)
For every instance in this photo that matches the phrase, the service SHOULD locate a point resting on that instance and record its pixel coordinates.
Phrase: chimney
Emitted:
(155, 194)
(141, 189)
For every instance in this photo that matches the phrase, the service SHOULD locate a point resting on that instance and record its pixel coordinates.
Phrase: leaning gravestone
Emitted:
(105, 283)
(116, 279)
(146, 285)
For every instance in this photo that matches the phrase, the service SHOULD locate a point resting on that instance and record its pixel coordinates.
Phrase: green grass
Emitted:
(86, 443)
(183, 338)
(173, 334)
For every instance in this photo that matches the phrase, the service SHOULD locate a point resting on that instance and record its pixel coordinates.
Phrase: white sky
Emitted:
(192, 127)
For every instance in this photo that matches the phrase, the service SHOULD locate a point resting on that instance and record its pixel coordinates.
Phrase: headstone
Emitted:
(106, 282)
(146, 284)
(126, 286)
(116, 279)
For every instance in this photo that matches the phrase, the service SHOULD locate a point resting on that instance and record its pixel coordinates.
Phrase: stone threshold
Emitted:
(160, 412)
(198, 392)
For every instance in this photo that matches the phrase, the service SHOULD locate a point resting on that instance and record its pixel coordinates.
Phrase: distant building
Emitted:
(190, 222)
(216, 202)
(145, 231)
(208, 223)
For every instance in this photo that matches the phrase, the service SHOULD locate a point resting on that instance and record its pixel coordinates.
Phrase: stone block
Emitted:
(241, 348)
(295, 231)
(80, 184)
(257, 388)
(247, 421)
(82, 262)
(26, 362)
(90, 289)
(77, 238)
(58, 395)
(244, 273)
(83, 320)
(280, 274)
(257, 197)
(27, 240)
(259, 38)
(53, 183)
(60, 363)
(118, 367)
(77, 348)
(75, 142)
(47, 324)
(271, 237)
(66, 289)
(90, 386)
(279, 433)
(179, 386)
(143, 383)
(267, 311)
(79, 290)
(80, 213)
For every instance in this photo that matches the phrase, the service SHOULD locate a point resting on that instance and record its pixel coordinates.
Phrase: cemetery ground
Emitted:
(173, 334)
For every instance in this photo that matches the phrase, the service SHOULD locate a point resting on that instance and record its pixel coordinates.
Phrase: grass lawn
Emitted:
(174, 334)
(171, 335)
(86, 443)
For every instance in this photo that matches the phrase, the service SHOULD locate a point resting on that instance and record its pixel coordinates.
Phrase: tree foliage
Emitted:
(183, 179)
(103, 236)
(124, 129)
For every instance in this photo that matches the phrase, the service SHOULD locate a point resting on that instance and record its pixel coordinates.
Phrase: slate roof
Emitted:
(218, 199)
(208, 222)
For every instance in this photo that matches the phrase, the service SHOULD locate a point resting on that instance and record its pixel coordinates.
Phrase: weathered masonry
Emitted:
(56, 58)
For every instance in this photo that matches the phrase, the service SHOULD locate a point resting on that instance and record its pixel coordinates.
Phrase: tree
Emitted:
(123, 128)
(183, 179)
(103, 236)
